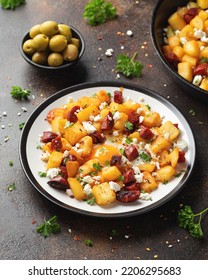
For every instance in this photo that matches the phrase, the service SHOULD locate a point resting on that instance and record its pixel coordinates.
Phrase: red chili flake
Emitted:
(149, 65)
(100, 37)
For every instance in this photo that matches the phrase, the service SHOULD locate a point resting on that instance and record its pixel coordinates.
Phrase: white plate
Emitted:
(36, 124)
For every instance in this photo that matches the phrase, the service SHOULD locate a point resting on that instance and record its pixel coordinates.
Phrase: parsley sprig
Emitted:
(128, 66)
(19, 93)
(191, 221)
(49, 227)
(98, 12)
(11, 4)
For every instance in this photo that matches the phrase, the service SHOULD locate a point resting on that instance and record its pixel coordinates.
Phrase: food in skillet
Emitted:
(109, 148)
(51, 44)
(186, 42)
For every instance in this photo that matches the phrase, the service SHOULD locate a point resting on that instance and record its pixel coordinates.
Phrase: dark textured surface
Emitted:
(24, 206)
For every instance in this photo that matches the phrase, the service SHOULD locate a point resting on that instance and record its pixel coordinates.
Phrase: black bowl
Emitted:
(161, 13)
(65, 65)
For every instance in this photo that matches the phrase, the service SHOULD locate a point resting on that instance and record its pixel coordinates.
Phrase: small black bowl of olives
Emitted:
(52, 46)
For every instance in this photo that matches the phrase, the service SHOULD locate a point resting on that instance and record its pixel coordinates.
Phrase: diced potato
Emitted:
(159, 144)
(185, 70)
(174, 41)
(72, 168)
(152, 119)
(69, 106)
(204, 52)
(66, 146)
(118, 107)
(203, 15)
(206, 26)
(204, 84)
(103, 194)
(176, 21)
(182, 11)
(74, 133)
(104, 112)
(86, 101)
(169, 32)
(192, 48)
(62, 123)
(111, 173)
(179, 51)
(202, 4)
(55, 124)
(47, 147)
(147, 167)
(169, 131)
(56, 112)
(166, 49)
(197, 22)
(130, 105)
(166, 173)
(164, 158)
(78, 157)
(174, 156)
(84, 115)
(187, 32)
(88, 166)
(103, 96)
(55, 160)
(120, 123)
(76, 188)
(86, 145)
(190, 59)
(137, 136)
(149, 183)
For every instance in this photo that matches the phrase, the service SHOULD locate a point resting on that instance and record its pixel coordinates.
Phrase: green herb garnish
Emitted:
(88, 242)
(129, 126)
(19, 93)
(145, 157)
(11, 163)
(191, 222)
(99, 11)
(97, 166)
(49, 227)
(42, 174)
(11, 4)
(90, 200)
(128, 140)
(128, 66)
(21, 125)
(12, 187)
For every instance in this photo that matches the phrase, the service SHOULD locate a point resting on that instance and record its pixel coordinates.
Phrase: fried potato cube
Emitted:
(137, 136)
(159, 144)
(176, 21)
(74, 133)
(86, 145)
(130, 105)
(179, 51)
(152, 119)
(76, 188)
(169, 131)
(185, 70)
(72, 168)
(187, 32)
(202, 4)
(118, 107)
(103, 96)
(86, 101)
(120, 123)
(190, 59)
(88, 166)
(197, 22)
(84, 115)
(166, 173)
(111, 173)
(174, 41)
(192, 48)
(174, 156)
(164, 158)
(203, 15)
(204, 84)
(147, 167)
(61, 125)
(103, 194)
(55, 160)
(149, 183)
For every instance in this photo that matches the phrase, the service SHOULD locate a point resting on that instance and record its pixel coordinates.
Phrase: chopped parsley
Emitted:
(11, 4)
(99, 11)
(129, 126)
(90, 200)
(42, 174)
(11, 163)
(21, 125)
(128, 66)
(19, 93)
(128, 140)
(191, 221)
(49, 227)
(88, 242)
(97, 166)
(12, 187)
(145, 157)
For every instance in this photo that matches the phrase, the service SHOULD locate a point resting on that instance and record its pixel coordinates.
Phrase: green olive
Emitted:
(28, 47)
(65, 30)
(57, 43)
(40, 57)
(40, 42)
(70, 53)
(75, 42)
(49, 28)
(35, 30)
(55, 59)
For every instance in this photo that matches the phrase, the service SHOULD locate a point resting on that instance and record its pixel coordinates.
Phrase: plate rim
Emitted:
(66, 91)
